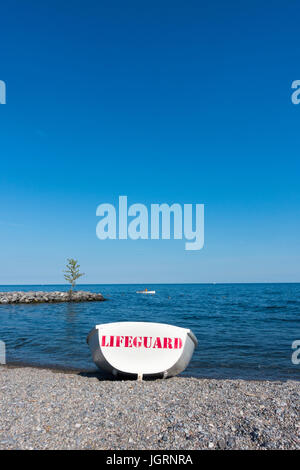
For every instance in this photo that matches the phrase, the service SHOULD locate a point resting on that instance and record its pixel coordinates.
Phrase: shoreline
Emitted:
(47, 367)
(107, 376)
(57, 368)
(52, 409)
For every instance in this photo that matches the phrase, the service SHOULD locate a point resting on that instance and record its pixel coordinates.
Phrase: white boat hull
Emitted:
(141, 348)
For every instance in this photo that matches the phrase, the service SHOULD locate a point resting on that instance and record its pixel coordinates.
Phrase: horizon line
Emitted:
(154, 283)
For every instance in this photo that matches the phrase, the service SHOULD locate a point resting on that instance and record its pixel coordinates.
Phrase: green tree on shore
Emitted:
(72, 272)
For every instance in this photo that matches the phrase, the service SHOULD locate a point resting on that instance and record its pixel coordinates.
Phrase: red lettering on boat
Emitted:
(157, 343)
(168, 343)
(140, 341)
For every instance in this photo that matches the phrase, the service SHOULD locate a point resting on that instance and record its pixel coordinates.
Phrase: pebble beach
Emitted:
(49, 409)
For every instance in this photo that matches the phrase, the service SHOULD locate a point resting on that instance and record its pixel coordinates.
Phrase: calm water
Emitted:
(244, 330)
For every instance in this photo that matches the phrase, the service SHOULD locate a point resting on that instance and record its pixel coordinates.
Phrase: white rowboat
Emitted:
(141, 348)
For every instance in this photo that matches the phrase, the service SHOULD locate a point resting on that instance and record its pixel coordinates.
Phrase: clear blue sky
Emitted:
(169, 101)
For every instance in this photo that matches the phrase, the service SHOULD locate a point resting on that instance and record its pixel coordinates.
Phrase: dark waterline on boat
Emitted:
(244, 330)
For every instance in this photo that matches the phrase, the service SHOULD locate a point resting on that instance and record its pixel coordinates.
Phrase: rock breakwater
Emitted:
(33, 297)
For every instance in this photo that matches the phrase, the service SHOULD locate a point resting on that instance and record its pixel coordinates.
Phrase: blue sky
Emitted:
(186, 102)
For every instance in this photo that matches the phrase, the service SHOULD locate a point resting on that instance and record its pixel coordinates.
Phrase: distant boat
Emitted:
(141, 348)
(146, 291)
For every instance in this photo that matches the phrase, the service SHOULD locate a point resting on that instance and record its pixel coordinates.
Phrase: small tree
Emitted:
(72, 272)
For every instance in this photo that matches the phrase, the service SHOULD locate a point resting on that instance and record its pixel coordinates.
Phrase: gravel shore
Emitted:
(46, 409)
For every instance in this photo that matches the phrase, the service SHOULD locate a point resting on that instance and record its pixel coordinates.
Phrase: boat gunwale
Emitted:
(93, 330)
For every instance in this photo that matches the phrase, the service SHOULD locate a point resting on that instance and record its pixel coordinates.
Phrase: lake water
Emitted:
(244, 330)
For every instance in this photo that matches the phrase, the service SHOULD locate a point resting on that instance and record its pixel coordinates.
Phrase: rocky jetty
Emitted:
(34, 297)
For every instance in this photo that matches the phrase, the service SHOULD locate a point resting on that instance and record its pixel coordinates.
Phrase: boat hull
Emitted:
(141, 348)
